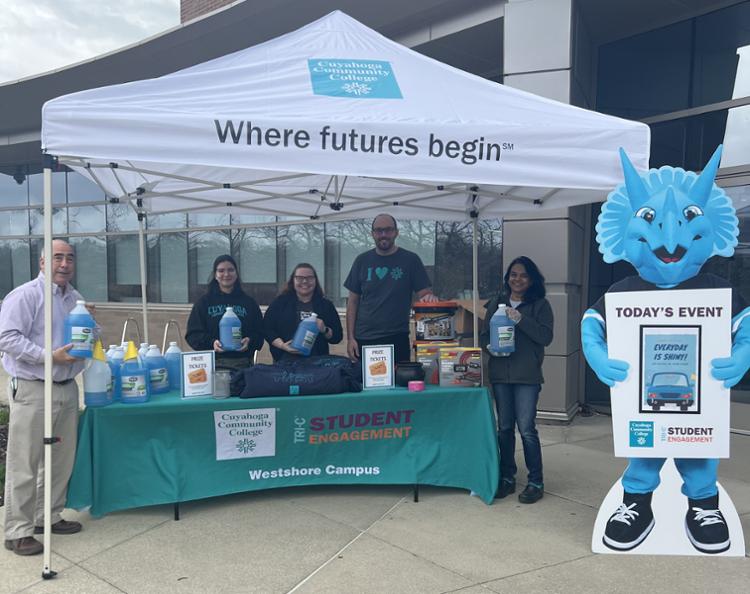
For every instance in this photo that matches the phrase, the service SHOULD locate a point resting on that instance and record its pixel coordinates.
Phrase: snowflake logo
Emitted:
(641, 440)
(397, 273)
(356, 88)
(245, 445)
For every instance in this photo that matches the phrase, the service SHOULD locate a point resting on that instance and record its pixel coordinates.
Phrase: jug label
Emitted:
(81, 338)
(159, 378)
(309, 339)
(133, 386)
(505, 336)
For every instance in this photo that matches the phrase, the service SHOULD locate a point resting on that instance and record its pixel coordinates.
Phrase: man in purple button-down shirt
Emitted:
(22, 342)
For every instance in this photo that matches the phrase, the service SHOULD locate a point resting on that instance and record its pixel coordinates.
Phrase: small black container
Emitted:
(408, 371)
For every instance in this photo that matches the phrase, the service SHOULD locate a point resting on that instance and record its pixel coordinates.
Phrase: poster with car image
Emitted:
(669, 369)
(669, 405)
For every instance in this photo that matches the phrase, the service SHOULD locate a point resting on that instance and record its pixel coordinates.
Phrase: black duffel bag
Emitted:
(298, 377)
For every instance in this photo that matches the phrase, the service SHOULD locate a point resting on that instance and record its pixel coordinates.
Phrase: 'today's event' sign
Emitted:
(670, 405)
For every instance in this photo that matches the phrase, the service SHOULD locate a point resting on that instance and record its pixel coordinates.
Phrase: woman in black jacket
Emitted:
(517, 379)
(301, 297)
(225, 289)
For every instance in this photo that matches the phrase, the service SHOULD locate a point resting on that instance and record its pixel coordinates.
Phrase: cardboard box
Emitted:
(428, 354)
(460, 367)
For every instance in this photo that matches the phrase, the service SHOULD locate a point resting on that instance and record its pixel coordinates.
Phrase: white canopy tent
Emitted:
(330, 122)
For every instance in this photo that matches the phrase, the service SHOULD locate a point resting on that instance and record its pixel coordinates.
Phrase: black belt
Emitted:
(60, 383)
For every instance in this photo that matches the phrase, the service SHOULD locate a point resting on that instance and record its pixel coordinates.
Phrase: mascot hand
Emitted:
(731, 369)
(609, 371)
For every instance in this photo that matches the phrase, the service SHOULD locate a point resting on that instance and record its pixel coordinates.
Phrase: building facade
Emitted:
(683, 68)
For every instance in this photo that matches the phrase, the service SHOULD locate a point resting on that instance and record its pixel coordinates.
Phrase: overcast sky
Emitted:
(41, 35)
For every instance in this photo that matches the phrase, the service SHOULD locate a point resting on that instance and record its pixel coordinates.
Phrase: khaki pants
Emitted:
(24, 468)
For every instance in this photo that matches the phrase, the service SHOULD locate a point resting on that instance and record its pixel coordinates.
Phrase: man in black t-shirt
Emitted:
(381, 282)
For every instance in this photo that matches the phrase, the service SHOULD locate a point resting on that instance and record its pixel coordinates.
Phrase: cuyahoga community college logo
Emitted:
(357, 79)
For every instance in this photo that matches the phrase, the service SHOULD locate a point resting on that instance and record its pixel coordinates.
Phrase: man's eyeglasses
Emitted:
(383, 230)
(304, 279)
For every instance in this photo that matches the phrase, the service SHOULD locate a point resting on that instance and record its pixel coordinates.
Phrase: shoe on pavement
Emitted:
(26, 545)
(531, 494)
(705, 525)
(631, 523)
(505, 488)
(61, 527)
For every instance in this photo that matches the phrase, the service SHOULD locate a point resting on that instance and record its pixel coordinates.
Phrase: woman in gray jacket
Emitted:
(517, 379)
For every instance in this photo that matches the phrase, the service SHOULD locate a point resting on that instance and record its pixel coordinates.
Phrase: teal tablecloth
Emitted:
(165, 451)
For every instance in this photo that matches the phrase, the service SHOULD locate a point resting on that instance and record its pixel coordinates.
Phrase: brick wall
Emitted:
(190, 9)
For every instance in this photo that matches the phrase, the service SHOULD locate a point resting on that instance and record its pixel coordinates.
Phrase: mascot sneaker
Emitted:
(705, 525)
(631, 523)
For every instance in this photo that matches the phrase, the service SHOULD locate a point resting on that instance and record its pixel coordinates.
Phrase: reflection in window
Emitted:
(203, 248)
(690, 142)
(11, 192)
(121, 217)
(175, 220)
(59, 221)
(87, 219)
(91, 267)
(303, 243)
(452, 276)
(14, 222)
(207, 219)
(123, 268)
(167, 268)
(418, 237)
(14, 264)
(82, 189)
(36, 188)
(257, 254)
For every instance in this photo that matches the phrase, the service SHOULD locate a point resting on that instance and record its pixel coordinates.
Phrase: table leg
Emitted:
(416, 493)
(176, 512)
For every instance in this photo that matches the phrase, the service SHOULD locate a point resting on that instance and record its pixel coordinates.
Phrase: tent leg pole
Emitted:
(475, 279)
(47, 572)
(142, 256)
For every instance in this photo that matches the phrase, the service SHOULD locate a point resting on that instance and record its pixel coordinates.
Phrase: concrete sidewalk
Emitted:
(376, 539)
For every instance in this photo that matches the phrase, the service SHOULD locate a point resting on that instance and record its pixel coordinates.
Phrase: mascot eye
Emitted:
(645, 213)
(692, 211)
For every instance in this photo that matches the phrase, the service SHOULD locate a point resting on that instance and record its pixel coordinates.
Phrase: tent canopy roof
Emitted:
(336, 121)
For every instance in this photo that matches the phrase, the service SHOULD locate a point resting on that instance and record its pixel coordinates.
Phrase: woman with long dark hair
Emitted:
(517, 379)
(301, 296)
(224, 290)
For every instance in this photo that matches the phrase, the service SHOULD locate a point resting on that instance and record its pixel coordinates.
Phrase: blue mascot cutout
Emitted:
(667, 223)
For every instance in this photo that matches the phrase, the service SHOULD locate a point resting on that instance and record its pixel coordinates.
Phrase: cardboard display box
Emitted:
(460, 366)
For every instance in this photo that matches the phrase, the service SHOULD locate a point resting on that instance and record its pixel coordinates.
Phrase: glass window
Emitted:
(121, 217)
(452, 275)
(690, 142)
(303, 243)
(123, 268)
(168, 268)
(175, 220)
(59, 221)
(203, 248)
(14, 222)
(256, 249)
(83, 189)
(207, 219)
(722, 61)
(11, 192)
(14, 264)
(36, 188)
(91, 267)
(87, 219)
(646, 74)
(418, 237)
